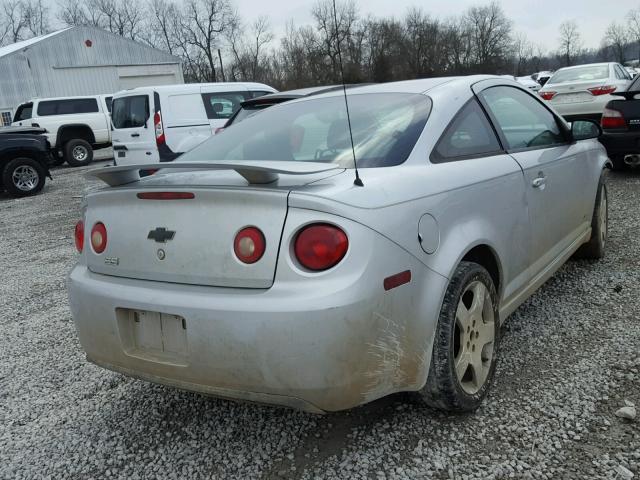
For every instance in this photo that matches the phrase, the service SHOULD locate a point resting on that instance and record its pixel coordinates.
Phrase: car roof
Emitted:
(600, 64)
(69, 97)
(193, 87)
(280, 97)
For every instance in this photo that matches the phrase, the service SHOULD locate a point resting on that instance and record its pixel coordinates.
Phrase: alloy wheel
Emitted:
(25, 178)
(474, 337)
(79, 153)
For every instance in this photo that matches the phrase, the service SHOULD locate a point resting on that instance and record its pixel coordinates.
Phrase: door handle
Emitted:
(539, 182)
(135, 134)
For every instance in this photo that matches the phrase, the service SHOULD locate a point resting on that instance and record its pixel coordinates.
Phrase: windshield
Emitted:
(385, 129)
(581, 74)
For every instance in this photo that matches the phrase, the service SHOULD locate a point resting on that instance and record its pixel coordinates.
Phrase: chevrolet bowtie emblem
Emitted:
(161, 235)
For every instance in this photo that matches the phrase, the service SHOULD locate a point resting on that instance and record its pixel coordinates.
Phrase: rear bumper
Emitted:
(303, 347)
(582, 110)
(620, 144)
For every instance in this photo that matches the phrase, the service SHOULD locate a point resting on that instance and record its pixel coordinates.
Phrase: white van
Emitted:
(156, 124)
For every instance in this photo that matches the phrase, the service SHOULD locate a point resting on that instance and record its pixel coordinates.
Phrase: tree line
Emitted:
(216, 44)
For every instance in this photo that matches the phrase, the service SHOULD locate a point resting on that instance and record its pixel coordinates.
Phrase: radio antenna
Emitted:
(357, 181)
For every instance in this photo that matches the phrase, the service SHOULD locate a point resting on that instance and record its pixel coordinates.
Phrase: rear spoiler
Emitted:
(626, 95)
(257, 172)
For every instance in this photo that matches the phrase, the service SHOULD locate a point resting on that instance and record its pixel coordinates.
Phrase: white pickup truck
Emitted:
(76, 126)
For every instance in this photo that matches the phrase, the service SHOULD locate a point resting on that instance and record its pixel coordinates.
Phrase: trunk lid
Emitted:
(574, 92)
(202, 229)
(191, 239)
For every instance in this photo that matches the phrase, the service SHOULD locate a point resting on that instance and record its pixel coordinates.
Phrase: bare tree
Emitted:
(523, 52)
(570, 41)
(163, 25)
(249, 50)
(616, 39)
(633, 27)
(14, 20)
(203, 24)
(490, 31)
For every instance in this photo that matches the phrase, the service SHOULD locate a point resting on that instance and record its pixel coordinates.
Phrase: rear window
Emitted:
(580, 74)
(248, 111)
(385, 126)
(67, 107)
(130, 112)
(23, 112)
(223, 105)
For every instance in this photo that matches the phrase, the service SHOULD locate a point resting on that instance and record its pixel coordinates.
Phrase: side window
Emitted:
(130, 112)
(468, 135)
(619, 74)
(523, 121)
(23, 112)
(223, 105)
(107, 101)
(67, 107)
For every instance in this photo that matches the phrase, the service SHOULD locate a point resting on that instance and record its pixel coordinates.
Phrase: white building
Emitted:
(79, 61)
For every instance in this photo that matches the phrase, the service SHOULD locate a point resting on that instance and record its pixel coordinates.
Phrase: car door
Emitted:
(133, 135)
(554, 171)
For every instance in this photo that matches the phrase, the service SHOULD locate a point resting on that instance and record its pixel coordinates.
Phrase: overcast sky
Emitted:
(538, 19)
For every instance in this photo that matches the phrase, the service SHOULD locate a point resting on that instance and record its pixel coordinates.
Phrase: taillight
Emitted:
(604, 90)
(320, 246)
(157, 125)
(249, 245)
(612, 119)
(166, 195)
(547, 95)
(99, 237)
(79, 236)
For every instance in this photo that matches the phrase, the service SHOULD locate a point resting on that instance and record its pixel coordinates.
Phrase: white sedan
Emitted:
(583, 91)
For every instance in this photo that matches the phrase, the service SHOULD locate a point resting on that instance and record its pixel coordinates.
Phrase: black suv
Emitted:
(25, 155)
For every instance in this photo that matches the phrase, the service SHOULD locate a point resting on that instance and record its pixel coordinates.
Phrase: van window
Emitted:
(130, 112)
(67, 107)
(223, 105)
(23, 112)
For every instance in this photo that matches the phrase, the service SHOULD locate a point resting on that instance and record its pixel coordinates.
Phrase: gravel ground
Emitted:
(570, 358)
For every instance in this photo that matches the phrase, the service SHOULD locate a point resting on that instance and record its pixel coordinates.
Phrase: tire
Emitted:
(78, 153)
(595, 247)
(23, 176)
(464, 389)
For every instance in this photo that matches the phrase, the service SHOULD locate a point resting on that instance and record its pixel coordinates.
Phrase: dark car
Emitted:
(254, 105)
(24, 160)
(621, 127)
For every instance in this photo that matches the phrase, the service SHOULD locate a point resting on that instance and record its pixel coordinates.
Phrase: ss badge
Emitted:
(115, 261)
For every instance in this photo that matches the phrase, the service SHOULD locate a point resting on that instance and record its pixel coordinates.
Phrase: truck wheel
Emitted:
(23, 176)
(465, 342)
(78, 153)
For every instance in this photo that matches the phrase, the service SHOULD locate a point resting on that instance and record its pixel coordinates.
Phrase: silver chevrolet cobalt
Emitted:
(257, 267)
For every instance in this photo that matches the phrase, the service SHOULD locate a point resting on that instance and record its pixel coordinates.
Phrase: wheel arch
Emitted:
(485, 255)
(74, 131)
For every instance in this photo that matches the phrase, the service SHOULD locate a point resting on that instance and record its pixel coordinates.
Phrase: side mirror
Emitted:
(585, 129)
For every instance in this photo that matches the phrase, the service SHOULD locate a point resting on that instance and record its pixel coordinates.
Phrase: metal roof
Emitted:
(15, 47)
